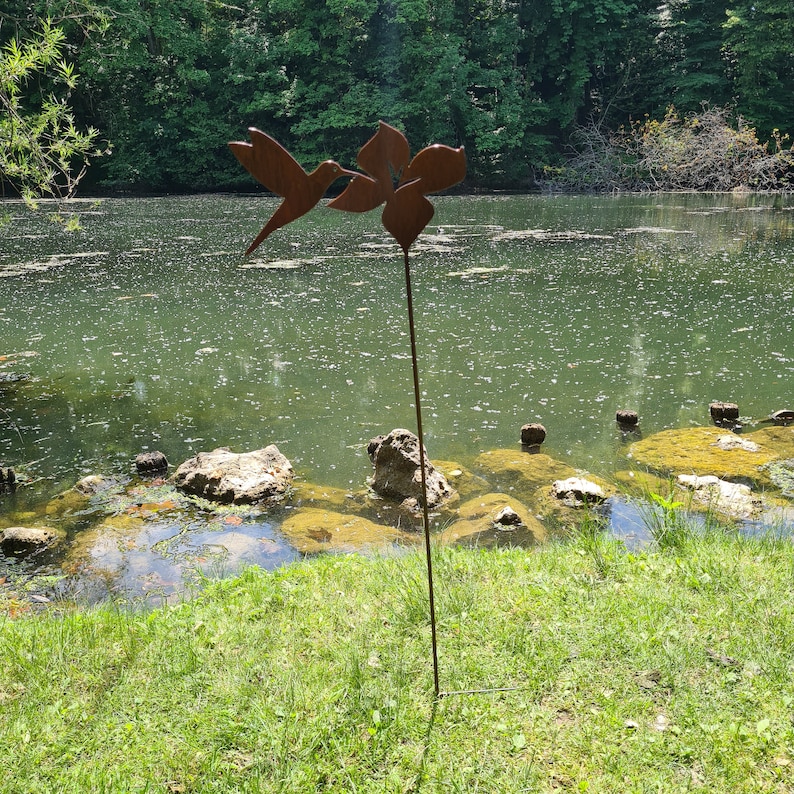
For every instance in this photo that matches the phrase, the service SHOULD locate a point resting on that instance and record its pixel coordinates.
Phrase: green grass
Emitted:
(664, 671)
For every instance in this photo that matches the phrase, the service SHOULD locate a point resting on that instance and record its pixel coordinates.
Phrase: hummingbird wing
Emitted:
(269, 163)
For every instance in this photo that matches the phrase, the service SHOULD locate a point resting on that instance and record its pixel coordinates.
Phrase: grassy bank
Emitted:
(657, 672)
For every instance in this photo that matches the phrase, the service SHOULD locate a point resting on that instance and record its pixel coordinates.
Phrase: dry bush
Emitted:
(704, 152)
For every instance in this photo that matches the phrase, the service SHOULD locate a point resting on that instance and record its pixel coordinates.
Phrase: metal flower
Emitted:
(386, 157)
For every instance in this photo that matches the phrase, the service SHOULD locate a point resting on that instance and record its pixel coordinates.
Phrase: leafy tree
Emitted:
(154, 84)
(42, 149)
(691, 41)
(759, 38)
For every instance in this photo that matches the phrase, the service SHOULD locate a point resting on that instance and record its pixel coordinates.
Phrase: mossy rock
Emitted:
(106, 545)
(312, 530)
(463, 480)
(306, 494)
(643, 483)
(777, 439)
(694, 451)
(522, 471)
(476, 527)
(66, 503)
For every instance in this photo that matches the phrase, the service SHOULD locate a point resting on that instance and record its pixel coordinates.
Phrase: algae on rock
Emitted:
(522, 471)
(695, 451)
(312, 530)
(477, 523)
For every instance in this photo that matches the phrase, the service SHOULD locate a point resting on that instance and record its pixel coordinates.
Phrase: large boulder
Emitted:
(397, 471)
(224, 476)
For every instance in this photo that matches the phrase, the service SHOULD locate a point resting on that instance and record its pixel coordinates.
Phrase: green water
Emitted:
(148, 329)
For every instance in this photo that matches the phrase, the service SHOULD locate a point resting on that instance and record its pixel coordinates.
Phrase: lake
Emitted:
(148, 329)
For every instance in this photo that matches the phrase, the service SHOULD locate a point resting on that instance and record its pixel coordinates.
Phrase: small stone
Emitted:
(92, 484)
(627, 418)
(533, 434)
(151, 463)
(508, 518)
(722, 411)
(730, 442)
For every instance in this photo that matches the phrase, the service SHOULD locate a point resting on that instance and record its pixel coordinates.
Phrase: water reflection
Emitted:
(151, 331)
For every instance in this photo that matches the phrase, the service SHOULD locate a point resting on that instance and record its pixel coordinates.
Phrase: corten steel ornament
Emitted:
(272, 165)
(384, 157)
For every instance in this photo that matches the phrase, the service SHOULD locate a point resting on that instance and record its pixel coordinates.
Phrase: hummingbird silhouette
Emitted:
(274, 167)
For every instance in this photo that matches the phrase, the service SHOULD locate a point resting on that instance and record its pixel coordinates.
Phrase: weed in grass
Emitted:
(666, 522)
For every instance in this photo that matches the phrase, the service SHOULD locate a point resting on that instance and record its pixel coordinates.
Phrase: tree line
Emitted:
(160, 86)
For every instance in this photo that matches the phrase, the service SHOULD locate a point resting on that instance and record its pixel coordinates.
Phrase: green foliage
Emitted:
(43, 152)
(660, 672)
(170, 82)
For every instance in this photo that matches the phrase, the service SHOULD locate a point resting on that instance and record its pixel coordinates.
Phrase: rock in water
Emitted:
(732, 498)
(21, 540)
(533, 434)
(7, 479)
(397, 471)
(224, 476)
(151, 463)
(576, 491)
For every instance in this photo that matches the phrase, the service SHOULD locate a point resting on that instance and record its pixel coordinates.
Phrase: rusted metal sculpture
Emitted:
(274, 167)
(384, 157)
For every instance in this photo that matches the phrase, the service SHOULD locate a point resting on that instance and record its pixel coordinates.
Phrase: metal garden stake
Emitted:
(406, 213)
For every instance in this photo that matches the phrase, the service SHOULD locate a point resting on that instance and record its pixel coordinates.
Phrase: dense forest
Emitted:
(150, 91)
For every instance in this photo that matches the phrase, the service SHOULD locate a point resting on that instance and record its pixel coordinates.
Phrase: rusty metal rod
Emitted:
(420, 436)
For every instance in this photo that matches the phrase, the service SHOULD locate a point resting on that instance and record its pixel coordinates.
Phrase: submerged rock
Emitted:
(731, 498)
(305, 494)
(397, 471)
(92, 484)
(311, 530)
(695, 451)
(224, 476)
(494, 519)
(777, 439)
(463, 480)
(525, 473)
